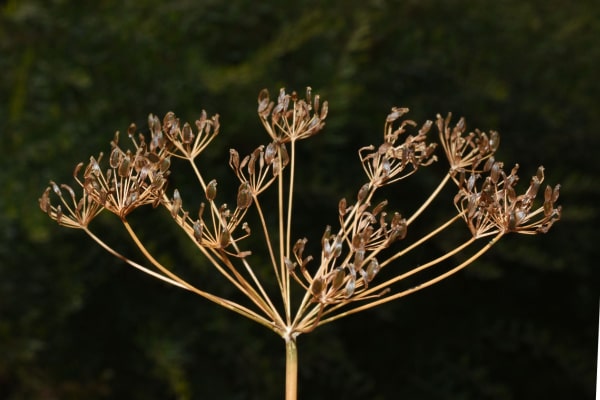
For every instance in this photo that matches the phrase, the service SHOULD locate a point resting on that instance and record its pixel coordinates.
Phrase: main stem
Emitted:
(291, 369)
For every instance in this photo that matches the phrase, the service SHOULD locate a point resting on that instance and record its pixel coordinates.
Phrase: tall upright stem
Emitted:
(291, 369)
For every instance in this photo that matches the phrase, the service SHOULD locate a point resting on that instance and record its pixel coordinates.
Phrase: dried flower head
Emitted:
(387, 163)
(259, 169)
(76, 213)
(495, 207)
(185, 142)
(465, 151)
(132, 178)
(291, 118)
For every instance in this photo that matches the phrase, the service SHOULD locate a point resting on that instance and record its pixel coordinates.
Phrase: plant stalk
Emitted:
(291, 369)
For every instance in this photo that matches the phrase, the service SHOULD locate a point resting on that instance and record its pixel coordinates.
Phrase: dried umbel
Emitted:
(345, 276)
(495, 207)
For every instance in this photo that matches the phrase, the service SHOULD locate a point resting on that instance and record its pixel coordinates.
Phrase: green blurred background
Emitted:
(76, 324)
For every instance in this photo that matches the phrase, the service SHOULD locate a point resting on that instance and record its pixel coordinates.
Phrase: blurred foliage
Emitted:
(74, 323)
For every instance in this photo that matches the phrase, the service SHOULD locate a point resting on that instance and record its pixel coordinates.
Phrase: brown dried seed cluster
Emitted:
(291, 118)
(388, 162)
(132, 179)
(348, 258)
(495, 207)
(185, 142)
(218, 232)
(465, 151)
(76, 213)
(259, 169)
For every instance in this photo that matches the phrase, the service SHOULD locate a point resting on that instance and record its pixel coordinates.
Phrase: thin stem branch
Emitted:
(131, 262)
(265, 229)
(431, 197)
(216, 299)
(288, 227)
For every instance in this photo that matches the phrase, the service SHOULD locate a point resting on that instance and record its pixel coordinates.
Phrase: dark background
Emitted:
(75, 323)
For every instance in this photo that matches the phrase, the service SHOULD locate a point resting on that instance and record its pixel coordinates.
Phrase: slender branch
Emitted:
(216, 299)
(288, 233)
(431, 197)
(421, 240)
(131, 262)
(282, 266)
(265, 229)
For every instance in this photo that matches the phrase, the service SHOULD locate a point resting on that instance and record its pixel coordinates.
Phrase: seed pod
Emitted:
(45, 204)
(124, 165)
(289, 264)
(324, 109)
(379, 207)
(363, 192)
(471, 182)
(198, 228)
(94, 166)
(555, 193)
(386, 167)
(350, 286)
(495, 172)
(488, 164)
(337, 279)
(211, 190)
(56, 189)
(244, 197)
(494, 141)
(540, 173)
(234, 159)
(533, 188)
(326, 235)
(187, 134)
(175, 203)
(548, 194)
(316, 287)
(165, 163)
(224, 238)
(342, 207)
(548, 204)
(337, 247)
(359, 257)
(372, 270)
(299, 247)
(70, 190)
(59, 213)
(115, 157)
(131, 130)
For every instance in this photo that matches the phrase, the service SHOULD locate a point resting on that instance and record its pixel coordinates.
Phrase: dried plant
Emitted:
(344, 278)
